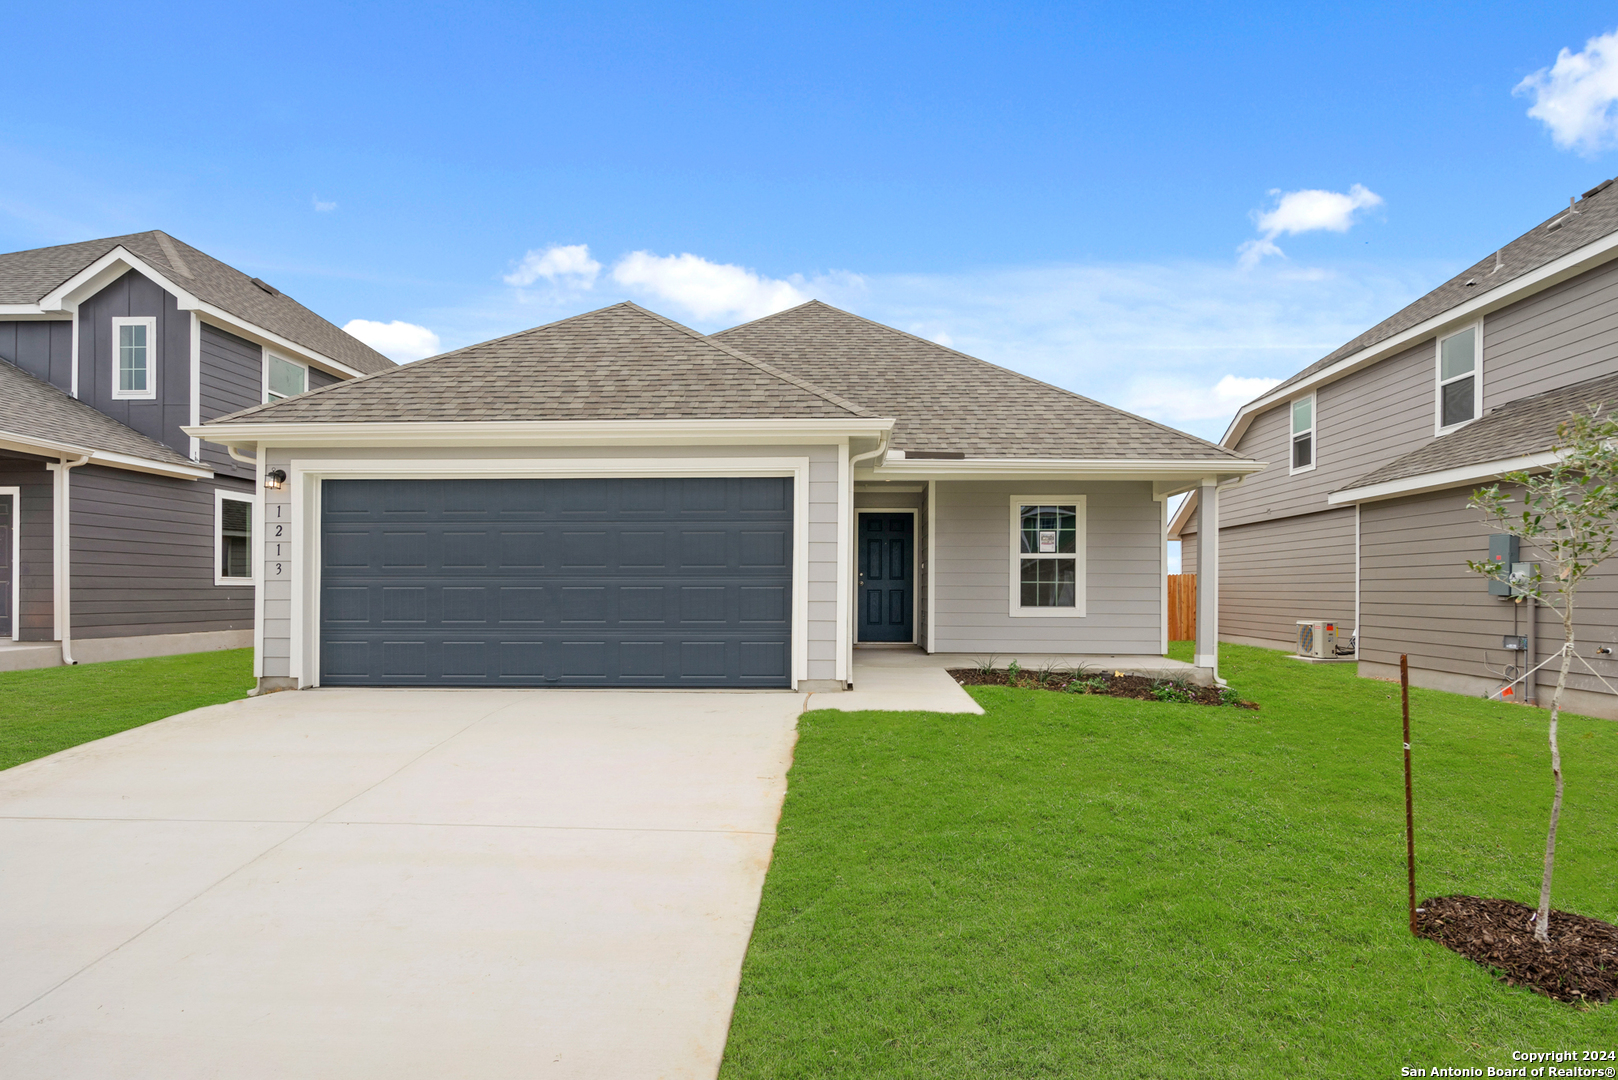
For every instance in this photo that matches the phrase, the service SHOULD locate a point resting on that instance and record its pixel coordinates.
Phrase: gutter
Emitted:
(1438, 481)
(29, 444)
(62, 543)
(425, 433)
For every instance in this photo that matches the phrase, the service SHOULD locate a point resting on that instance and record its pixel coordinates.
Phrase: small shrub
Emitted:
(1094, 684)
(1013, 672)
(1169, 690)
(986, 666)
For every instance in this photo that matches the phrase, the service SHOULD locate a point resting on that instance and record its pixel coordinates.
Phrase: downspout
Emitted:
(61, 512)
(850, 541)
(244, 460)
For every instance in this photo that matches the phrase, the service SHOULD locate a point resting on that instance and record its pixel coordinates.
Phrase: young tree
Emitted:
(1568, 514)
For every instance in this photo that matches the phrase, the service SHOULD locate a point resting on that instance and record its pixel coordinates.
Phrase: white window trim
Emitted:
(220, 495)
(1292, 437)
(150, 322)
(1438, 377)
(264, 372)
(1080, 543)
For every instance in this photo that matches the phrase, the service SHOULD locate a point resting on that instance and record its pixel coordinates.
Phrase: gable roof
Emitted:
(34, 412)
(1595, 216)
(945, 401)
(1516, 429)
(26, 277)
(617, 363)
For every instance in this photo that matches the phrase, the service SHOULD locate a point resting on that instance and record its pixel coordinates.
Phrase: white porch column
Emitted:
(1207, 654)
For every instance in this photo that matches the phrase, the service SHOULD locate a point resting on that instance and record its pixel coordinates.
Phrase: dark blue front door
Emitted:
(887, 577)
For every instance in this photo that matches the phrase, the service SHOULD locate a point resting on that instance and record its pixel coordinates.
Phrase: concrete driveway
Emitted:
(351, 883)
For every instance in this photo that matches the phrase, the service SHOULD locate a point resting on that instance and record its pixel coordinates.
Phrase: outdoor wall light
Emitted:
(275, 478)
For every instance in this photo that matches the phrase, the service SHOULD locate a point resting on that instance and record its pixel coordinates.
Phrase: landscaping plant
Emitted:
(1569, 515)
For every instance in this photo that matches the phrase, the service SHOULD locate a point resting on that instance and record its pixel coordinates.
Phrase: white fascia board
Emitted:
(1182, 517)
(28, 444)
(1076, 468)
(1570, 265)
(99, 274)
(30, 313)
(528, 432)
(1438, 481)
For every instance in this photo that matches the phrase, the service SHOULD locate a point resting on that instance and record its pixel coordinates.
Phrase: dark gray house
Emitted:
(120, 535)
(1361, 517)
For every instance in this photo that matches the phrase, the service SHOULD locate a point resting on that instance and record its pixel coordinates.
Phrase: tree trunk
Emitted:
(1542, 924)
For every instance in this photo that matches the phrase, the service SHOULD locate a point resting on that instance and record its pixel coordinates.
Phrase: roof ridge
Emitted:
(996, 367)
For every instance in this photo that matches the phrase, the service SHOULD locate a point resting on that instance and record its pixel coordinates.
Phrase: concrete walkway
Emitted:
(399, 884)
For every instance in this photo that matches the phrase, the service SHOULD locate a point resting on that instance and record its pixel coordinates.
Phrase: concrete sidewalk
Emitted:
(350, 883)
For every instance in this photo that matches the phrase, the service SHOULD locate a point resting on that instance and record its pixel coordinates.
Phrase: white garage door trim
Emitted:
(305, 475)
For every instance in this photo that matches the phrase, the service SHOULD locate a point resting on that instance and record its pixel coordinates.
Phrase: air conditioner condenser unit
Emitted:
(1317, 638)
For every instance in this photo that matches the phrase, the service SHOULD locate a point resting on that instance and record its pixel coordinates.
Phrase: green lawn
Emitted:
(50, 709)
(1095, 887)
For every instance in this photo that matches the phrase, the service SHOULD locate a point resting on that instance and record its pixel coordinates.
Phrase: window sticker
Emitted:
(1047, 540)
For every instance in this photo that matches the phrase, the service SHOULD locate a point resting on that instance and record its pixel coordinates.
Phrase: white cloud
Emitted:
(944, 339)
(322, 207)
(1309, 210)
(399, 341)
(570, 264)
(1574, 97)
(707, 290)
(1180, 401)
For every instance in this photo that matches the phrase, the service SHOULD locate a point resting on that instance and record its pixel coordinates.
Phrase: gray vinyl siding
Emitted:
(1362, 421)
(36, 581)
(232, 378)
(1418, 597)
(1123, 581)
(159, 418)
(822, 529)
(1273, 573)
(42, 348)
(143, 558)
(1188, 552)
(318, 378)
(1564, 335)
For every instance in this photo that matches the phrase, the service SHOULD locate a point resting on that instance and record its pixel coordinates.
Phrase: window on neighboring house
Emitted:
(1047, 557)
(1459, 384)
(134, 372)
(1303, 434)
(233, 524)
(283, 378)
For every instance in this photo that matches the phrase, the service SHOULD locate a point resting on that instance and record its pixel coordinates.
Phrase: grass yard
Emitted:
(51, 709)
(1095, 887)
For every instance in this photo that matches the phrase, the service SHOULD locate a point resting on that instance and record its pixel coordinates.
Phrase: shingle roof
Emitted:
(618, 363)
(34, 409)
(1597, 216)
(1516, 429)
(947, 401)
(27, 276)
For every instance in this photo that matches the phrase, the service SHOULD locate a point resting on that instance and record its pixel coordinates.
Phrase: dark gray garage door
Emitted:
(606, 582)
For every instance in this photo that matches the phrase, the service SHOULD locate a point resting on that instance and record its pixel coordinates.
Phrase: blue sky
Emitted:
(1067, 190)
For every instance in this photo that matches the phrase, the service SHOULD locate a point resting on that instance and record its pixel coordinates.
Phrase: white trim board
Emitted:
(915, 523)
(455, 433)
(149, 324)
(15, 585)
(1437, 481)
(220, 497)
(303, 481)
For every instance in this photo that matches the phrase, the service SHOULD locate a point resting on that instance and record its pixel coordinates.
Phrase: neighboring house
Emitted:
(121, 535)
(1362, 516)
(617, 500)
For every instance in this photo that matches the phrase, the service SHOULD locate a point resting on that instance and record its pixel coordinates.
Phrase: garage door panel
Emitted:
(635, 582)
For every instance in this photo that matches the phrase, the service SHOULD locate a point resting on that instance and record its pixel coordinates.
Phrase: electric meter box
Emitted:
(1502, 556)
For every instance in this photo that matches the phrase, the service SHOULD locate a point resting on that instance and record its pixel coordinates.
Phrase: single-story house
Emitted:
(617, 500)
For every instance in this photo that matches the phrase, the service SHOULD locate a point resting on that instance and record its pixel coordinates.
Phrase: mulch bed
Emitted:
(1107, 684)
(1580, 965)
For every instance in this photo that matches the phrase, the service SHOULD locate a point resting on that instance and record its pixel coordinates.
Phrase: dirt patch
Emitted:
(1107, 684)
(1580, 965)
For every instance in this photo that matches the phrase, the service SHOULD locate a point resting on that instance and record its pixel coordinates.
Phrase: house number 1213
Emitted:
(277, 541)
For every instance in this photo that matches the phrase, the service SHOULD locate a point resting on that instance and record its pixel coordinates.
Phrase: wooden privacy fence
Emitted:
(1182, 607)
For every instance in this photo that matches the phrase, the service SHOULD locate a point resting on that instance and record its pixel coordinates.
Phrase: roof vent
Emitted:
(1470, 282)
(266, 286)
(1598, 189)
(936, 455)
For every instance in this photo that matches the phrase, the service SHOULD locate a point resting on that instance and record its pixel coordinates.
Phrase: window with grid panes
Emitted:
(1048, 555)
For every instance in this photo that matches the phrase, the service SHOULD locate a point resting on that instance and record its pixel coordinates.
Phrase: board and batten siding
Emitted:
(1418, 597)
(158, 418)
(1123, 581)
(43, 348)
(143, 558)
(231, 379)
(822, 530)
(36, 585)
(1564, 335)
(1273, 573)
